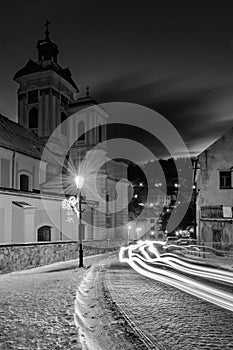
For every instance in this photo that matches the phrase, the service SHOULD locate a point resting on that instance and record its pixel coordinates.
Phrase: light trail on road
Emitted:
(171, 269)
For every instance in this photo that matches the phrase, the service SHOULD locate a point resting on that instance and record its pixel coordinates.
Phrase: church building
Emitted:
(31, 204)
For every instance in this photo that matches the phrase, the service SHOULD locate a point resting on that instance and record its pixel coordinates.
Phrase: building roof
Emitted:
(17, 138)
(34, 67)
(225, 137)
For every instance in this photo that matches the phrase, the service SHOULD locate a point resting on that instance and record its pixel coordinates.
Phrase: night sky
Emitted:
(175, 57)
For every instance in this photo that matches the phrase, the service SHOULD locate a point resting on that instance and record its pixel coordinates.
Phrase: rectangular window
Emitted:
(225, 179)
(5, 173)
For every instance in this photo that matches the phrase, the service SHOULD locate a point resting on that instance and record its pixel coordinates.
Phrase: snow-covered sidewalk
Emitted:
(37, 306)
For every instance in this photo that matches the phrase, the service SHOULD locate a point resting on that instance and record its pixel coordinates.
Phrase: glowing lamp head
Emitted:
(79, 181)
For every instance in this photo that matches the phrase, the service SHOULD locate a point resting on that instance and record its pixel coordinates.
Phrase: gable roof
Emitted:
(227, 134)
(17, 138)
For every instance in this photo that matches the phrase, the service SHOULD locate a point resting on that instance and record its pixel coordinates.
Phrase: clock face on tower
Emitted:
(32, 96)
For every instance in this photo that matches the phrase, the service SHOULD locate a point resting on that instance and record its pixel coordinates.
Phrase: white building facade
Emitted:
(30, 207)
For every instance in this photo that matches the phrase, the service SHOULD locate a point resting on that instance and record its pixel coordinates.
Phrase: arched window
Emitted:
(100, 133)
(81, 131)
(63, 125)
(33, 118)
(24, 182)
(44, 234)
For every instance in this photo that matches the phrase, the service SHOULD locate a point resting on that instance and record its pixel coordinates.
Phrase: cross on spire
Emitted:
(47, 32)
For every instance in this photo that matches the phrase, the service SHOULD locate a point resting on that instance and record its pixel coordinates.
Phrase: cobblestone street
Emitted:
(169, 318)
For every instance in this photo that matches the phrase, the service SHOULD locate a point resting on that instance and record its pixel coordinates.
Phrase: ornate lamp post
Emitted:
(71, 203)
(75, 203)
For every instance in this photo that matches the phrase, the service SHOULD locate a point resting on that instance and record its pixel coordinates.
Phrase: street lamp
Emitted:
(138, 230)
(79, 181)
(129, 228)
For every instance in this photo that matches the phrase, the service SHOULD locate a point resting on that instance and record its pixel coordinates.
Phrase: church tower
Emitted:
(47, 96)
(45, 90)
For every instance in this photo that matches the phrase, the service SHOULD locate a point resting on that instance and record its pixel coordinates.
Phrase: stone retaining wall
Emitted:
(14, 257)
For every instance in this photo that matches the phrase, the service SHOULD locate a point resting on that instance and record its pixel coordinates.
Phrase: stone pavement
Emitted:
(37, 306)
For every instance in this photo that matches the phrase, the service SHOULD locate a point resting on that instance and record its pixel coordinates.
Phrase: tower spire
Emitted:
(47, 32)
(47, 50)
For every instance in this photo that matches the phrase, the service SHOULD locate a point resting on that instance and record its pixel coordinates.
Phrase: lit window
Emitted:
(33, 118)
(24, 183)
(44, 234)
(225, 179)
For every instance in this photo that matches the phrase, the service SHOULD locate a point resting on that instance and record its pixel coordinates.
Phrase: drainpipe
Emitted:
(13, 171)
(92, 223)
(61, 222)
(195, 199)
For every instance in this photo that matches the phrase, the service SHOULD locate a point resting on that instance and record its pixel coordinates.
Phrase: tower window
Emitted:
(63, 125)
(44, 234)
(64, 101)
(33, 118)
(24, 183)
(33, 96)
(81, 131)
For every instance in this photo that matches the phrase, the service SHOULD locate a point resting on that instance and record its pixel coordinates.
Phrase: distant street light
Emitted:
(129, 228)
(138, 230)
(79, 181)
